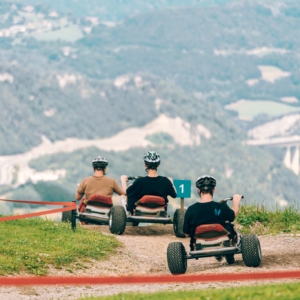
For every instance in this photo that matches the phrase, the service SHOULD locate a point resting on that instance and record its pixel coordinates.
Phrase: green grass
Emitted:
(260, 220)
(32, 245)
(280, 291)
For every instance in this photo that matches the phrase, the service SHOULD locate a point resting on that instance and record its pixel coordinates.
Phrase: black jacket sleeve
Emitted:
(229, 213)
(186, 225)
(133, 192)
(170, 189)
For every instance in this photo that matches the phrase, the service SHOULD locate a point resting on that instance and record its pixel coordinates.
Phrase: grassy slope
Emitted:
(32, 245)
(260, 220)
(281, 291)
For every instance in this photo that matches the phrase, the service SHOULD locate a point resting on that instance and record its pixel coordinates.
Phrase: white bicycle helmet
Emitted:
(152, 160)
(206, 183)
(99, 163)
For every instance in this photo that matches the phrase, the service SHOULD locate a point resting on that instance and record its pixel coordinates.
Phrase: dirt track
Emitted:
(144, 252)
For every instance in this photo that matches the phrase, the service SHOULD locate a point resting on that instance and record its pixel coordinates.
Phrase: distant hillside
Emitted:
(117, 10)
(62, 105)
(261, 177)
(215, 51)
(64, 75)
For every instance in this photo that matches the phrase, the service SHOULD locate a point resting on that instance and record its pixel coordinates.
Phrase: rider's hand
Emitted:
(237, 198)
(124, 178)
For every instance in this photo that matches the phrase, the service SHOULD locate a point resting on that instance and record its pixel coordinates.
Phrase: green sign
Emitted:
(183, 188)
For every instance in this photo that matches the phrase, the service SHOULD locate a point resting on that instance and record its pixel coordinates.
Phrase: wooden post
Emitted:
(73, 218)
(182, 203)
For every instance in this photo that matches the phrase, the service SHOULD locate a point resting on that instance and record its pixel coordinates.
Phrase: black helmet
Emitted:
(152, 159)
(100, 163)
(206, 183)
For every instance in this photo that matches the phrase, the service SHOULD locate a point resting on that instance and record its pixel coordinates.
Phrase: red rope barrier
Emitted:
(39, 202)
(69, 206)
(36, 214)
(148, 279)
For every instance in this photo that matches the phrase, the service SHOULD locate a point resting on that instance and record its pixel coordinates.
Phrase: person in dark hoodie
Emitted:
(207, 211)
(152, 184)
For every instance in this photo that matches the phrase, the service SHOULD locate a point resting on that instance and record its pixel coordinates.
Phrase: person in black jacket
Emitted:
(207, 211)
(152, 184)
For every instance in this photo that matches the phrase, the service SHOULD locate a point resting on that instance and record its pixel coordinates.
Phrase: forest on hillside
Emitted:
(174, 48)
(194, 56)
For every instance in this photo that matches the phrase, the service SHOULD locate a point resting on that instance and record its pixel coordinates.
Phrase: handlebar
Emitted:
(229, 199)
(134, 177)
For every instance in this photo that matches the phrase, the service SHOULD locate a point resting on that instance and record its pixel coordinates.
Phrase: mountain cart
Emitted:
(100, 210)
(213, 240)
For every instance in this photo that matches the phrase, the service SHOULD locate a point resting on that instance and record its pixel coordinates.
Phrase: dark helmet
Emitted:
(100, 163)
(152, 159)
(206, 183)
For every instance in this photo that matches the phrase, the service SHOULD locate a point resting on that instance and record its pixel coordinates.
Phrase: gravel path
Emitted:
(144, 252)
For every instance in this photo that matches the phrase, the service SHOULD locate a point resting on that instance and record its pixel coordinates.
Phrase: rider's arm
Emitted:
(80, 191)
(171, 179)
(118, 190)
(124, 179)
(172, 192)
(78, 196)
(235, 204)
(186, 228)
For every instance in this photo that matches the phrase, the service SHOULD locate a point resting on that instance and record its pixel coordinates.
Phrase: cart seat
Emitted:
(100, 200)
(95, 201)
(210, 231)
(211, 242)
(150, 210)
(151, 202)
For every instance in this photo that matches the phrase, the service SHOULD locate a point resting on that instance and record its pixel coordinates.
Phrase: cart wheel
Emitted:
(219, 258)
(73, 223)
(117, 220)
(66, 216)
(135, 223)
(178, 222)
(251, 251)
(176, 256)
(230, 259)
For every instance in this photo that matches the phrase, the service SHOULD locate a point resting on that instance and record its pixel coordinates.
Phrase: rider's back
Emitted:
(155, 186)
(206, 213)
(99, 185)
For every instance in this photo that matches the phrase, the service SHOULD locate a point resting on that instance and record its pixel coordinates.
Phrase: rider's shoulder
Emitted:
(86, 180)
(89, 178)
(163, 178)
(109, 179)
(217, 203)
(158, 178)
(191, 207)
(140, 179)
(221, 204)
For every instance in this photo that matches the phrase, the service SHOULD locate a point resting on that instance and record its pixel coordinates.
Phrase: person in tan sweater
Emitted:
(98, 183)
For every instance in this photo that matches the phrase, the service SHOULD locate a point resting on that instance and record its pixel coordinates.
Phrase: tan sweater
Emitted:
(98, 185)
